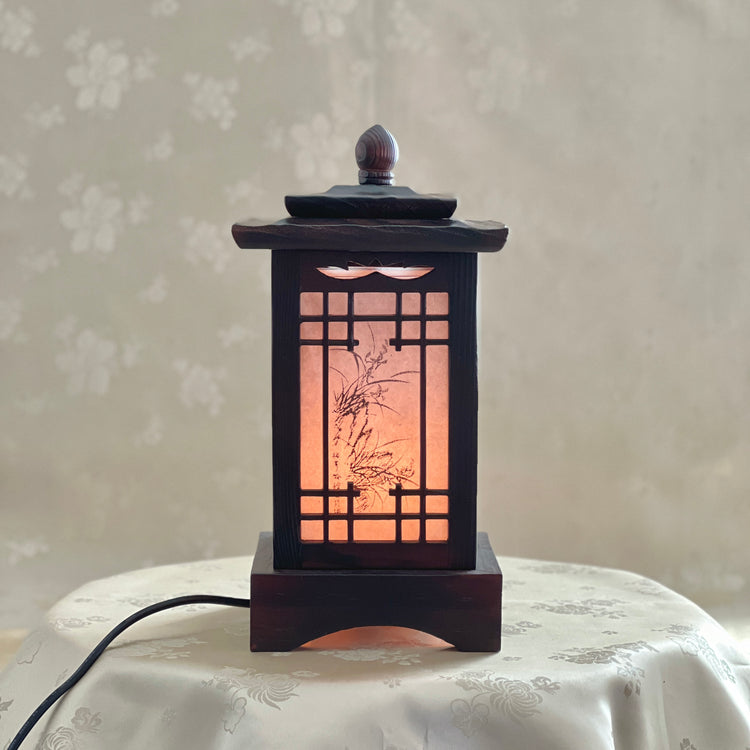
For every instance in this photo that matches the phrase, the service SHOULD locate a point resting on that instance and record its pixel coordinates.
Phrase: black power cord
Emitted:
(179, 601)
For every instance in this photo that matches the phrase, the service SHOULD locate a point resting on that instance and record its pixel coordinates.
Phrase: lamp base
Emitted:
(291, 607)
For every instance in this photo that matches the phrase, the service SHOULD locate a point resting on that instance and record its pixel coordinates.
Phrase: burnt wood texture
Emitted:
(291, 607)
(380, 235)
(370, 202)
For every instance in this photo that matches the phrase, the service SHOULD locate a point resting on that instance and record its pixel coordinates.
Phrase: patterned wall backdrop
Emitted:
(135, 337)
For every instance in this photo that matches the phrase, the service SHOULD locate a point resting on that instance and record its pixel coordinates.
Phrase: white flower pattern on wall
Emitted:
(138, 209)
(164, 8)
(10, 318)
(152, 434)
(502, 76)
(17, 31)
(156, 291)
(89, 360)
(41, 118)
(26, 549)
(36, 261)
(162, 148)
(206, 242)
(211, 99)
(319, 149)
(13, 176)
(321, 20)
(103, 73)
(96, 218)
(236, 334)
(410, 32)
(254, 46)
(247, 192)
(200, 386)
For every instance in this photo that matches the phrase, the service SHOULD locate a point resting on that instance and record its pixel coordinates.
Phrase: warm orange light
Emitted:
(374, 378)
(404, 273)
(311, 505)
(436, 529)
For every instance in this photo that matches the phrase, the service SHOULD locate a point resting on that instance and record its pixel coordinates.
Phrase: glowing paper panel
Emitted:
(392, 272)
(374, 417)
(311, 418)
(374, 385)
(436, 422)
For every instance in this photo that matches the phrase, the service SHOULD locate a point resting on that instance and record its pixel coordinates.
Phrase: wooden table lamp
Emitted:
(374, 416)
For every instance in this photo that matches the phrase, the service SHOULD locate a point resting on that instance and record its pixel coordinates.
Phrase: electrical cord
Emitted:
(88, 662)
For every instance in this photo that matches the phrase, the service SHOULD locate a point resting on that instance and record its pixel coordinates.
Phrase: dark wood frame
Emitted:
(291, 607)
(294, 272)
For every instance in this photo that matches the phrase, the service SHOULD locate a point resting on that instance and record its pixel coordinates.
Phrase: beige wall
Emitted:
(615, 365)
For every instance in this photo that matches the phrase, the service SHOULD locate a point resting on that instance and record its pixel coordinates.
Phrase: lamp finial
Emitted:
(376, 153)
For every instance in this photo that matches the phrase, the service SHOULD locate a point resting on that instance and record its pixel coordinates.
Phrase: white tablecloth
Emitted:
(592, 658)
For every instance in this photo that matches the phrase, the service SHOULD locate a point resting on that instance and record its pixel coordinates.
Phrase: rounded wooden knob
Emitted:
(376, 154)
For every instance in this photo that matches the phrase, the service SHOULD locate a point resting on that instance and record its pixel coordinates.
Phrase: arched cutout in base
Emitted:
(376, 636)
(292, 607)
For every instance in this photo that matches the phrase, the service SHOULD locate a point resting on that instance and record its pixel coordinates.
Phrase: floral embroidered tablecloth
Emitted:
(592, 658)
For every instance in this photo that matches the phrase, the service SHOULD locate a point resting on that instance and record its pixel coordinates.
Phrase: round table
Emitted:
(591, 658)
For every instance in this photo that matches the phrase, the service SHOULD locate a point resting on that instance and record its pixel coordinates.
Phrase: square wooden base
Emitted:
(291, 607)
